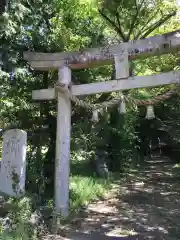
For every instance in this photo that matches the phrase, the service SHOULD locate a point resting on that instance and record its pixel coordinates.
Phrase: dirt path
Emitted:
(146, 206)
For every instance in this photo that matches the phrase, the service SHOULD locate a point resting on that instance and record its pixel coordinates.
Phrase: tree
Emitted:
(136, 19)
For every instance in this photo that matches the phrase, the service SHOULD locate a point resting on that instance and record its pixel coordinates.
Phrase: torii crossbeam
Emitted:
(64, 62)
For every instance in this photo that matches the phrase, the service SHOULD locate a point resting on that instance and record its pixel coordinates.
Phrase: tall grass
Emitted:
(84, 189)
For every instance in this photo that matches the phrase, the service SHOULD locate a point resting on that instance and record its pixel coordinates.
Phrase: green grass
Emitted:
(85, 186)
(85, 189)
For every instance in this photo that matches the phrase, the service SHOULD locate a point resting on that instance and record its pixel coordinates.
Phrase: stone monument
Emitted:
(13, 163)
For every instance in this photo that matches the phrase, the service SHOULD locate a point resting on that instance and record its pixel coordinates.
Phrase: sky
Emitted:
(178, 4)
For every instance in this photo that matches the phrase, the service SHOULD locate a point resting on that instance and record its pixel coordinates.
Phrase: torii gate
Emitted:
(64, 62)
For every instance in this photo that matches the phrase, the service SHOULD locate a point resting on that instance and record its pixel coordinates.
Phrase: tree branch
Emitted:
(112, 23)
(144, 25)
(122, 35)
(154, 26)
(134, 20)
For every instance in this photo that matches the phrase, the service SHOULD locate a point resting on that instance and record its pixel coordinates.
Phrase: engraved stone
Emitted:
(13, 164)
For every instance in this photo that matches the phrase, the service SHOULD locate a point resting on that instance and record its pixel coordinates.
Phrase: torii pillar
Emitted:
(62, 161)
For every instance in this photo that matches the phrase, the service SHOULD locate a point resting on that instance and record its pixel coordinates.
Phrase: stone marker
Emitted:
(13, 164)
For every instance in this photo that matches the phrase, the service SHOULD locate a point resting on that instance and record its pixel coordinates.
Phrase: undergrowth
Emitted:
(85, 189)
(22, 226)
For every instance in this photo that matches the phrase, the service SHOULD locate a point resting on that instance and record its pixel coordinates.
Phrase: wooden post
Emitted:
(122, 71)
(62, 162)
(122, 65)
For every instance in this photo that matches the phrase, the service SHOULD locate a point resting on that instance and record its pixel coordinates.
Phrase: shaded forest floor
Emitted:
(145, 205)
